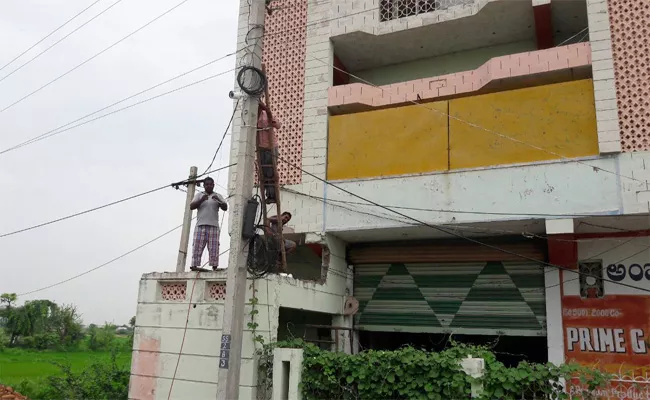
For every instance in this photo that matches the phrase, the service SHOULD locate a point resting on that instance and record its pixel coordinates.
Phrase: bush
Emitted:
(100, 338)
(46, 341)
(100, 381)
(4, 340)
(410, 373)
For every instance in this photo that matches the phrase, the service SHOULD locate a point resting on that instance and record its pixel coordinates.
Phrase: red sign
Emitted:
(611, 333)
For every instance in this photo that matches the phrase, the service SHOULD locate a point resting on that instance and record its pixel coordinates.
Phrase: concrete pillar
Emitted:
(287, 370)
(562, 251)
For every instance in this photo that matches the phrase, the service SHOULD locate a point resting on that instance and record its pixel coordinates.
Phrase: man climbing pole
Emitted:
(207, 224)
(268, 151)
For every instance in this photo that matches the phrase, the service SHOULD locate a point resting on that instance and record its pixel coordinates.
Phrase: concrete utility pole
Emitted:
(233, 317)
(187, 221)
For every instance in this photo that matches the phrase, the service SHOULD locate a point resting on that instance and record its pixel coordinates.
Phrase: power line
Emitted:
(60, 40)
(454, 226)
(93, 57)
(119, 110)
(120, 256)
(225, 132)
(450, 232)
(48, 35)
(451, 211)
(47, 134)
(102, 265)
(645, 247)
(53, 132)
(95, 208)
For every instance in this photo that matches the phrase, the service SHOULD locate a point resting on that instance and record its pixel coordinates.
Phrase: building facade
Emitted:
(474, 168)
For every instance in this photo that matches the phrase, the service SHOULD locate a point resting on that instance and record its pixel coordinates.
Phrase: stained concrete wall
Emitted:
(160, 327)
(443, 65)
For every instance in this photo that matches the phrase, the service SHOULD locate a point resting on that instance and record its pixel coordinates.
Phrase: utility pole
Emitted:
(242, 185)
(187, 221)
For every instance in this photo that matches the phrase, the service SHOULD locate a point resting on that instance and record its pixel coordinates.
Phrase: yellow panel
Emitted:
(560, 118)
(395, 141)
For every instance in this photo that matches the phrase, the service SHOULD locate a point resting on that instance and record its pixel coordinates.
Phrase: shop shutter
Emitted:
(460, 295)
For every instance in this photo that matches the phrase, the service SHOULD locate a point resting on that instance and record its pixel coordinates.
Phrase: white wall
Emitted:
(623, 251)
(554, 331)
(609, 137)
(553, 188)
(562, 187)
(160, 326)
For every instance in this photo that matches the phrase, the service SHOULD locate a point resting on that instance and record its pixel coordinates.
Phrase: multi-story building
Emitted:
(476, 168)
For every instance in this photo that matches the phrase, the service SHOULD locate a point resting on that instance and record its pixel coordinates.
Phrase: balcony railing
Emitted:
(394, 9)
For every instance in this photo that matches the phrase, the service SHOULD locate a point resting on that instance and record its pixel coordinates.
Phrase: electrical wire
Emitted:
(255, 85)
(451, 211)
(93, 57)
(94, 208)
(60, 40)
(645, 248)
(48, 35)
(124, 108)
(225, 132)
(51, 131)
(245, 49)
(452, 226)
(114, 259)
(451, 232)
(187, 321)
(101, 265)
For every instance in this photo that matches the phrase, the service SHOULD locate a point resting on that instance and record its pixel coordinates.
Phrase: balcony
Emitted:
(393, 32)
(525, 108)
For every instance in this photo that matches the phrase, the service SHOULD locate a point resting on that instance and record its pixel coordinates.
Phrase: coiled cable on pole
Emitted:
(252, 81)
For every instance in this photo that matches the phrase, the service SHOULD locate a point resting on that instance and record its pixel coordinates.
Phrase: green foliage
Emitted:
(4, 340)
(36, 323)
(101, 339)
(106, 379)
(410, 373)
(8, 299)
(41, 341)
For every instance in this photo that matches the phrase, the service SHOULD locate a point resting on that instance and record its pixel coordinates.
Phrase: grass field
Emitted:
(19, 365)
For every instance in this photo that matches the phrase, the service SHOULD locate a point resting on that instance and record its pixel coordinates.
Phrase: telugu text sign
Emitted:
(612, 333)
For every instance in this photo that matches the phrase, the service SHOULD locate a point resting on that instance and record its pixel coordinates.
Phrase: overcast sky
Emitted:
(121, 155)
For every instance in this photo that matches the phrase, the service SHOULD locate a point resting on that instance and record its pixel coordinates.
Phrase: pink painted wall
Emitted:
(144, 369)
(284, 57)
(630, 30)
(515, 65)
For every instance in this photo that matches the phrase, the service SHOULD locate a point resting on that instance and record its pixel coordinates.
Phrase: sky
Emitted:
(124, 154)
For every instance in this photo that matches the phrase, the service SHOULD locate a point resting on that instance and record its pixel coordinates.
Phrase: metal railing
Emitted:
(395, 9)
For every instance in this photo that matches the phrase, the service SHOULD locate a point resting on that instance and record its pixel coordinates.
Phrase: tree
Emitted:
(101, 338)
(132, 322)
(66, 321)
(8, 298)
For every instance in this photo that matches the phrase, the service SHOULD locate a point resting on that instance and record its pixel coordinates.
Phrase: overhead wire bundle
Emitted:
(252, 81)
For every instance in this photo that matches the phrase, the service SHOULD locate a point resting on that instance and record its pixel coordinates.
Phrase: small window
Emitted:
(591, 279)
(394, 9)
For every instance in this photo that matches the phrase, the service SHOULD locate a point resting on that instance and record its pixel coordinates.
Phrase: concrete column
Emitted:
(287, 370)
(562, 251)
(600, 38)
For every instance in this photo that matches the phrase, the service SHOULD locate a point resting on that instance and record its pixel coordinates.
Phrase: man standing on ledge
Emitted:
(207, 224)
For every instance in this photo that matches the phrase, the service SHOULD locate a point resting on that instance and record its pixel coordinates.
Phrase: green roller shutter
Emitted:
(495, 297)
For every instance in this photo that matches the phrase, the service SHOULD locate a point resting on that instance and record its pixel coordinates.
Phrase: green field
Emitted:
(17, 365)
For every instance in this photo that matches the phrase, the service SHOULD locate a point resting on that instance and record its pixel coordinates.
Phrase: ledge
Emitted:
(502, 73)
